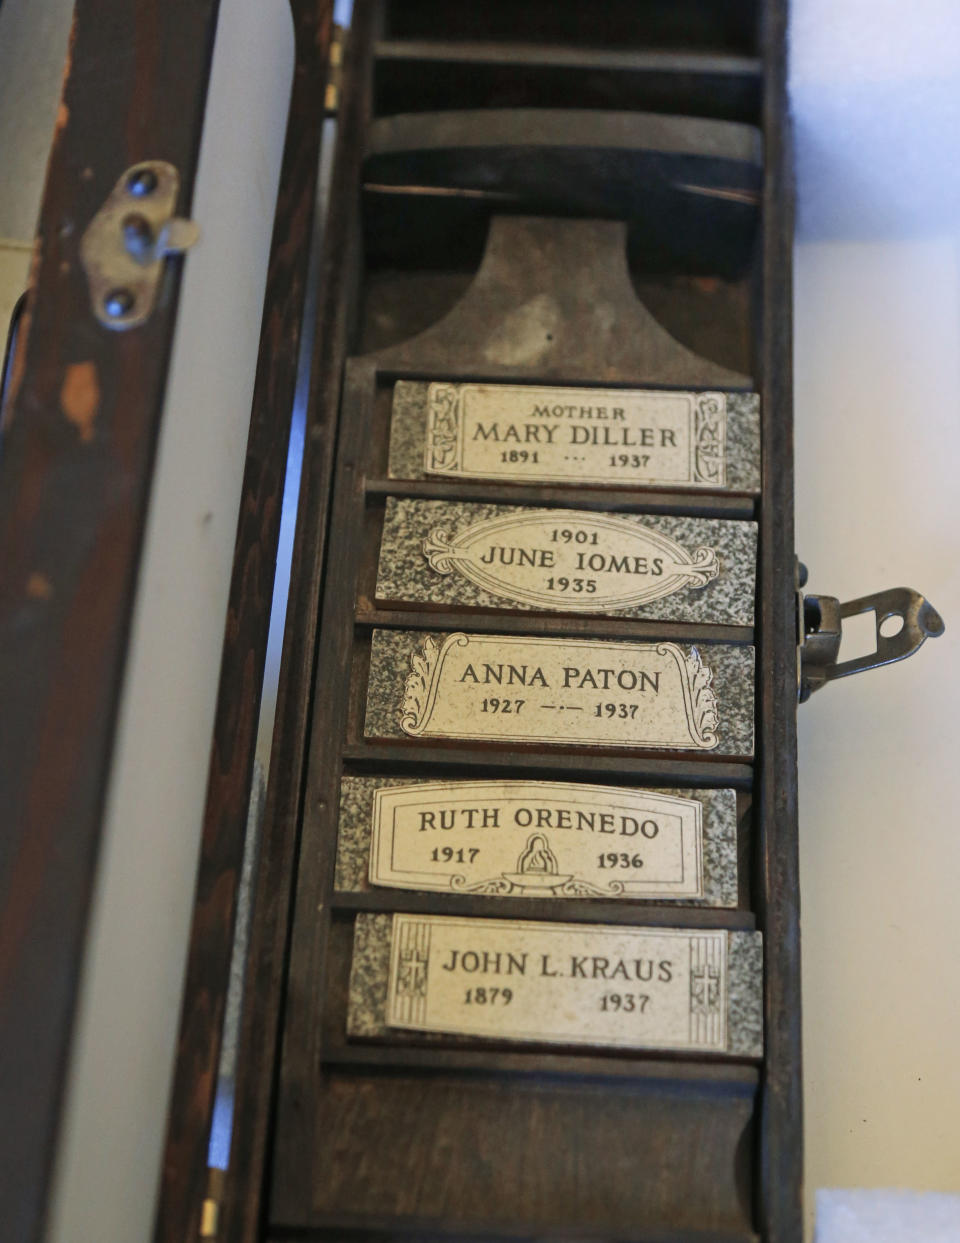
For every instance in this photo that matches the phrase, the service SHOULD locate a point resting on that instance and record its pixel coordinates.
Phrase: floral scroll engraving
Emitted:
(704, 567)
(440, 551)
(443, 428)
(705, 718)
(709, 439)
(420, 688)
(416, 689)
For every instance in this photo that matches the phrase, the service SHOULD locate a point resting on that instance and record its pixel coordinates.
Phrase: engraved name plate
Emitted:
(589, 984)
(532, 434)
(538, 839)
(561, 560)
(569, 691)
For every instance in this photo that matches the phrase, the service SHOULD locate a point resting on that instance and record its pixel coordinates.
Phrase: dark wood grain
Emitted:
(569, 910)
(611, 500)
(373, 1228)
(547, 766)
(621, 24)
(246, 1188)
(492, 621)
(484, 75)
(780, 1152)
(567, 1156)
(599, 328)
(718, 1077)
(75, 467)
(184, 1177)
(686, 188)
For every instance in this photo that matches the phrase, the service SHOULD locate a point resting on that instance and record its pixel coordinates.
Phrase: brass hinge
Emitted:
(125, 245)
(820, 630)
(331, 99)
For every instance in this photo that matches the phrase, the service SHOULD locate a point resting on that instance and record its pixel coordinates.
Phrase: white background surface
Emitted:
(876, 92)
(878, 445)
(876, 95)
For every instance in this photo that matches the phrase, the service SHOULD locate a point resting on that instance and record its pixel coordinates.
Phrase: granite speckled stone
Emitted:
(408, 431)
(744, 994)
(406, 575)
(731, 680)
(719, 838)
(370, 976)
(743, 442)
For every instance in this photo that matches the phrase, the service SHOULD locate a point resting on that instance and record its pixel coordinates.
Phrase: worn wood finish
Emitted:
(588, 1066)
(705, 313)
(569, 627)
(687, 187)
(576, 1158)
(700, 24)
(384, 1229)
(653, 502)
(367, 756)
(485, 75)
(594, 912)
(75, 468)
(490, 335)
(245, 1188)
(184, 1178)
(780, 1153)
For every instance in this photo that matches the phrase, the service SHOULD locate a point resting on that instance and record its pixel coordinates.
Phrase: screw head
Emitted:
(138, 236)
(141, 182)
(118, 302)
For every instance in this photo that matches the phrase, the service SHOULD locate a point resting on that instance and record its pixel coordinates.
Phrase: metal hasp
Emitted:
(128, 239)
(820, 629)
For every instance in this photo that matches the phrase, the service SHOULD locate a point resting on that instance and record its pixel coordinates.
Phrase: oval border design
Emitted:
(445, 554)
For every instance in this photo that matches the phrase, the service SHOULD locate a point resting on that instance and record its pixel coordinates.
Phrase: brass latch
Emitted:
(127, 241)
(820, 630)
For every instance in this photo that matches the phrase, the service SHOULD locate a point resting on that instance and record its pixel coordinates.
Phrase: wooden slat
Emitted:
(513, 1154)
(184, 1179)
(718, 1075)
(570, 910)
(369, 1228)
(75, 470)
(780, 1208)
(611, 500)
(265, 982)
(696, 24)
(493, 621)
(556, 760)
(531, 55)
(434, 74)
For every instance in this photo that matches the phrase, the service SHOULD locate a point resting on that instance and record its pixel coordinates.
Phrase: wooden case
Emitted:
(447, 116)
(487, 155)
